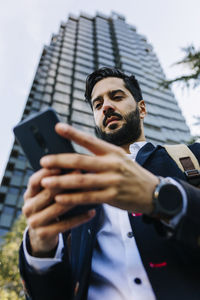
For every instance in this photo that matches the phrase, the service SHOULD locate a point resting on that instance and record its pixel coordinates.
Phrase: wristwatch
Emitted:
(167, 200)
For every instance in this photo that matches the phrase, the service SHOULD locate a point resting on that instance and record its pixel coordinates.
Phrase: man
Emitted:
(118, 253)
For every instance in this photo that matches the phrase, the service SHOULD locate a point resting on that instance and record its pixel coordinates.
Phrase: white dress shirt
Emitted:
(117, 269)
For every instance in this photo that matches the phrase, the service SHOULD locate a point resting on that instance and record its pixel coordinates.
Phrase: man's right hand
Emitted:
(42, 215)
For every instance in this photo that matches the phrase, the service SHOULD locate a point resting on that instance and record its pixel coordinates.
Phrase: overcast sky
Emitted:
(26, 25)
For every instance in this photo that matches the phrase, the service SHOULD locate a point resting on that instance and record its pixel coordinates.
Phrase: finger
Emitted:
(34, 185)
(81, 181)
(48, 215)
(65, 225)
(89, 197)
(38, 202)
(89, 142)
(80, 161)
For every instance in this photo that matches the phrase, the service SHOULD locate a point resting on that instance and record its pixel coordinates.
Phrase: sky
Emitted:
(27, 25)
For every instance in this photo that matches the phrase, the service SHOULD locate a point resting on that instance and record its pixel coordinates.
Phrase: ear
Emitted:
(142, 109)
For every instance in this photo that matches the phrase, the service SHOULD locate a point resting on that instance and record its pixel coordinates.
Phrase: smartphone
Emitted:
(37, 137)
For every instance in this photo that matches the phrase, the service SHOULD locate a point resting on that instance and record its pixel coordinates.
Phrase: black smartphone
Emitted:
(37, 137)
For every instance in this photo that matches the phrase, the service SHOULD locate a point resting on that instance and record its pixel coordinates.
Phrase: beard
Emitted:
(128, 133)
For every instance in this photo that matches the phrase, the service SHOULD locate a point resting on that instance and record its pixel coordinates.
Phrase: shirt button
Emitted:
(130, 234)
(138, 280)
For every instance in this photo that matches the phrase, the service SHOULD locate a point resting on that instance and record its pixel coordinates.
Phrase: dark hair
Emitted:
(130, 82)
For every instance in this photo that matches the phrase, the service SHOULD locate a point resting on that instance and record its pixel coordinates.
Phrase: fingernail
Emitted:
(44, 160)
(63, 126)
(46, 181)
(58, 198)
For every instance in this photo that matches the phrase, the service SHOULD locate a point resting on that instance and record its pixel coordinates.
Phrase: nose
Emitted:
(108, 107)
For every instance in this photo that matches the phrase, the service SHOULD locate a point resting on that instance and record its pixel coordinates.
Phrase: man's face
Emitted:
(116, 113)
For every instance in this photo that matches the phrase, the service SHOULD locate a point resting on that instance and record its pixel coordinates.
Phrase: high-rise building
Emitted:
(82, 45)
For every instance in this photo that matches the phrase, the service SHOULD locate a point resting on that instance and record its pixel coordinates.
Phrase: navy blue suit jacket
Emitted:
(172, 264)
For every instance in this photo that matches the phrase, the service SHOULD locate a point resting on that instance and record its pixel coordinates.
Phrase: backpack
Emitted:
(186, 161)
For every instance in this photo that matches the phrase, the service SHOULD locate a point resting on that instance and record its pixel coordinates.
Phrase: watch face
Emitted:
(170, 199)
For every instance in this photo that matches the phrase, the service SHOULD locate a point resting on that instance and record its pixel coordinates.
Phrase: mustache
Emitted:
(109, 114)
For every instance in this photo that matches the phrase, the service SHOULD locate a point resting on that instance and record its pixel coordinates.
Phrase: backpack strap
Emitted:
(186, 161)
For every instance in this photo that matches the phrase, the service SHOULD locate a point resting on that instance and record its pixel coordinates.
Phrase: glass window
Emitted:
(65, 71)
(64, 79)
(79, 85)
(80, 76)
(84, 29)
(64, 88)
(84, 49)
(83, 69)
(46, 98)
(11, 199)
(52, 73)
(35, 104)
(84, 56)
(104, 49)
(10, 166)
(48, 88)
(103, 40)
(85, 45)
(18, 173)
(61, 108)
(101, 33)
(40, 88)
(106, 55)
(16, 180)
(8, 210)
(85, 62)
(67, 46)
(53, 66)
(69, 39)
(6, 220)
(85, 39)
(29, 172)
(81, 105)
(66, 64)
(82, 118)
(5, 181)
(85, 35)
(106, 62)
(78, 94)
(2, 196)
(63, 118)
(60, 97)
(66, 52)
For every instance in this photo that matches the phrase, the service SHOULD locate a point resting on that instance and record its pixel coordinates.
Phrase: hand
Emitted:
(41, 212)
(112, 177)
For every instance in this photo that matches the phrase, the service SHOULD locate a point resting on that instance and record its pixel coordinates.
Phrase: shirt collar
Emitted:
(134, 148)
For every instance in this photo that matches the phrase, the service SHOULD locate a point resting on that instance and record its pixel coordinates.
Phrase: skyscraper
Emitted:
(82, 45)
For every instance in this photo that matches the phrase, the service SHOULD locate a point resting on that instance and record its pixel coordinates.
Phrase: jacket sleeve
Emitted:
(56, 283)
(188, 230)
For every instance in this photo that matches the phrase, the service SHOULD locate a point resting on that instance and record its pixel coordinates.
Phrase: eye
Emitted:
(117, 97)
(97, 106)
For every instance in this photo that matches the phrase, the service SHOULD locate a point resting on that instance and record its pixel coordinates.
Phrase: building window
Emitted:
(5, 181)
(13, 190)
(10, 166)
(2, 197)
(8, 210)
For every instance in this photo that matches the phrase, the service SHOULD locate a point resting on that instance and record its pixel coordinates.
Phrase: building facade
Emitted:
(82, 45)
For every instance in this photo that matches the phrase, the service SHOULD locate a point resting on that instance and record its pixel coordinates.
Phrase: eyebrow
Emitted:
(110, 93)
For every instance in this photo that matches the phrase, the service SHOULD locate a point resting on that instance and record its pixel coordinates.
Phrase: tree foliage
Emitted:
(192, 61)
(10, 283)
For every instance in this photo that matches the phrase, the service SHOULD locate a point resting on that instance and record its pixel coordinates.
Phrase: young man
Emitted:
(143, 240)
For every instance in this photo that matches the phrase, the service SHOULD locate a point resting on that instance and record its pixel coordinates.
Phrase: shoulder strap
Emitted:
(186, 161)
